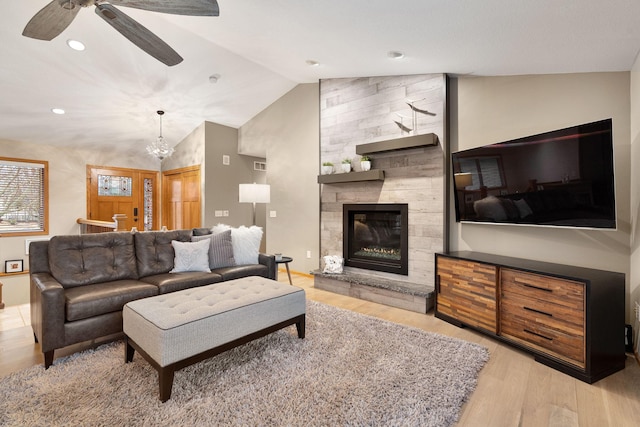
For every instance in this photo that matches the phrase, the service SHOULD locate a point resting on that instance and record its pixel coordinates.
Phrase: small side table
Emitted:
(285, 260)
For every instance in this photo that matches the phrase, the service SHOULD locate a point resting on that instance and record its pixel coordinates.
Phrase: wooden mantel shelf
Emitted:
(370, 175)
(404, 143)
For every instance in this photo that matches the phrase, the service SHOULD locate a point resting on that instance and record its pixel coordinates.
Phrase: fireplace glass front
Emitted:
(376, 237)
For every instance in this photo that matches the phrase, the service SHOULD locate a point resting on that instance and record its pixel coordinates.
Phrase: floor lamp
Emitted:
(254, 193)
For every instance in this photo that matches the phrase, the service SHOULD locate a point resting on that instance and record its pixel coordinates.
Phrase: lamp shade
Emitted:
(463, 179)
(254, 193)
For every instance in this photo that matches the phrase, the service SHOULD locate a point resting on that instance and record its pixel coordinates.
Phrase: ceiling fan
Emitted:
(57, 15)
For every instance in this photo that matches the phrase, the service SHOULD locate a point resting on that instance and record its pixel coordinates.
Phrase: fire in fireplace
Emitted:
(376, 236)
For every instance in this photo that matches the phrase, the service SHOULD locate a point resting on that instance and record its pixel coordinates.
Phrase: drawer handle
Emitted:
(538, 335)
(537, 287)
(538, 311)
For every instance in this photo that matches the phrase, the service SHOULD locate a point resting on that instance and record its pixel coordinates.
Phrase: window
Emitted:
(23, 196)
(486, 171)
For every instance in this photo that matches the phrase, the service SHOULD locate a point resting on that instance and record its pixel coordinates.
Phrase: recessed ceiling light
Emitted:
(312, 63)
(75, 45)
(394, 54)
(57, 111)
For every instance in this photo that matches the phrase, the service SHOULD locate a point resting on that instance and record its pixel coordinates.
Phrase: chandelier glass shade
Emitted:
(159, 148)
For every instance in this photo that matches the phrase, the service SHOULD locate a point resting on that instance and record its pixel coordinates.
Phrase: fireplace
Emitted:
(376, 237)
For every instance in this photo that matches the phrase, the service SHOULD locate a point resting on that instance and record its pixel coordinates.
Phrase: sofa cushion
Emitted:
(92, 258)
(190, 256)
(154, 252)
(220, 249)
(200, 231)
(171, 282)
(83, 302)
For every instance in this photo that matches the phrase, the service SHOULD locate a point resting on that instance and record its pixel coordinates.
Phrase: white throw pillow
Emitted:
(245, 242)
(523, 208)
(190, 256)
(490, 208)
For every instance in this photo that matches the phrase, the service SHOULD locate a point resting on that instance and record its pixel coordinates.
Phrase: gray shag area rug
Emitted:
(350, 370)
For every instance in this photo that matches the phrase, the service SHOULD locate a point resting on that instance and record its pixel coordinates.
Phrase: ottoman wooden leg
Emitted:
(300, 326)
(128, 351)
(165, 379)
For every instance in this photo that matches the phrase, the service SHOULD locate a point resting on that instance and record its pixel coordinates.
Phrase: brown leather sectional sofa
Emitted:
(80, 283)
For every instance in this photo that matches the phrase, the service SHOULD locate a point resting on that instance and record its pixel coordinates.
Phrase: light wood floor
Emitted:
(513, 390)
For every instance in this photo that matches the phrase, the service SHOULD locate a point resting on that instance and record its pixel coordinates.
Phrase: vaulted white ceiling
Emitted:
(111, 91)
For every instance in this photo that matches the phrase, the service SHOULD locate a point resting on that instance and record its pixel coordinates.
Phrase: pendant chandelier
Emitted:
(159, 147)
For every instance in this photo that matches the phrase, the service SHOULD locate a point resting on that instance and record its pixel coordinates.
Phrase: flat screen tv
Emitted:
(562, 178)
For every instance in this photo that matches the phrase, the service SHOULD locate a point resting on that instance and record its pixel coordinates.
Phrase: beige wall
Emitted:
(493, 109)
(67, 199)
(289, 130)
(634, 276)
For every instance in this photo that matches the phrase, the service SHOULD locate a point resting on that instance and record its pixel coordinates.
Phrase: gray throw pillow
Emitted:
(220, 249)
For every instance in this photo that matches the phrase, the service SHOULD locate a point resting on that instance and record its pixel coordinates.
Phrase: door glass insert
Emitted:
(148, 205)
(114, 185)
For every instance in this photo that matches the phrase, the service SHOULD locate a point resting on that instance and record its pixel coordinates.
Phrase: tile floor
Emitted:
(15, 316)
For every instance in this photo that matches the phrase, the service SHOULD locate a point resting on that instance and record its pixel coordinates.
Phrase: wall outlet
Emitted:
(308, 254)
(225, 213)
(225, 160)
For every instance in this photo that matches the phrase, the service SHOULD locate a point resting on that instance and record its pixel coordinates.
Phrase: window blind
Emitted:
(22, 196)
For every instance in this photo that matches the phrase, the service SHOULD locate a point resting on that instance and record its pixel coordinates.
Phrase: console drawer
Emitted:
(566, 295)
(545, 312)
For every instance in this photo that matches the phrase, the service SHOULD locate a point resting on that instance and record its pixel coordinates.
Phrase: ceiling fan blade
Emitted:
(51, 20)
(138, 34)
(174, 7)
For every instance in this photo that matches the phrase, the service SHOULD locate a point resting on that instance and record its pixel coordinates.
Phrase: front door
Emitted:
(132, 192)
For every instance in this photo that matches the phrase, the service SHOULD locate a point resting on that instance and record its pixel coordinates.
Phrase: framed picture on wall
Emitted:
(13, 266)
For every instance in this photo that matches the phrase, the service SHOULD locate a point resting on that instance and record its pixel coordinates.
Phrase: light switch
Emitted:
(272, 214)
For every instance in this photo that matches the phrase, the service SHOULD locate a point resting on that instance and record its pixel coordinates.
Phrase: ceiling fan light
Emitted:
(76, 45)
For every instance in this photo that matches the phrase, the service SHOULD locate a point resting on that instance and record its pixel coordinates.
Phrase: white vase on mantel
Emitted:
(365, 165)
(327, 169)
(346, 167)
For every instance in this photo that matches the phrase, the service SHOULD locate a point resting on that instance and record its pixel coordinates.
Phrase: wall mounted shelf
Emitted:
(370, 175)
(404, 143)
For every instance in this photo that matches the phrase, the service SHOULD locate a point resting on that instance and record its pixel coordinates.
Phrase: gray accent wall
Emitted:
(365, 110)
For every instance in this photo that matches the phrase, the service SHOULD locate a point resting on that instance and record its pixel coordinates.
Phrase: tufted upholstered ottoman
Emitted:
(175, 330)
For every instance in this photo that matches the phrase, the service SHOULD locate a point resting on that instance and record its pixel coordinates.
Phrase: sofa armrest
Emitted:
(270, 262)
(47, 311)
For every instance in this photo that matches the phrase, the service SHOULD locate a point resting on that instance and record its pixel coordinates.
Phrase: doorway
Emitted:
(181, 208)
(132, 192)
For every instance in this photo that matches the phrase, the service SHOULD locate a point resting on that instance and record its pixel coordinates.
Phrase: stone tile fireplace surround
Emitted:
(362, 111)
(413, 177)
